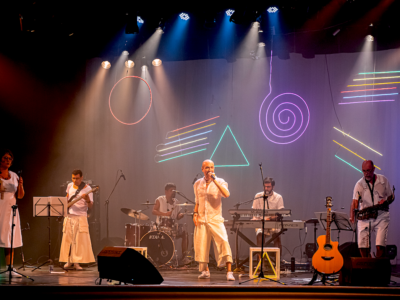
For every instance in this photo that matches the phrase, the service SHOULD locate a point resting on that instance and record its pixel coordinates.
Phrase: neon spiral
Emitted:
(285, 121)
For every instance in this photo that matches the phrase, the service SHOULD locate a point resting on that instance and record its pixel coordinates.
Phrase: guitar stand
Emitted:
(323, 278)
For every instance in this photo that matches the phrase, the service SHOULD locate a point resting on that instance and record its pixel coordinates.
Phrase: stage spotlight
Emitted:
(370, 38)
(261, 44)
(184, 16)
(144, 68)
(336, 32)
(272, 9)
(106, 65)
(157, 62)
(229, 12)
(256, 24)
(129, 64)
(140, 20)
(125, 52)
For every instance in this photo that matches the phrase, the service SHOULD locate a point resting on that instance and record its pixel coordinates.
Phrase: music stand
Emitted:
(49, 207)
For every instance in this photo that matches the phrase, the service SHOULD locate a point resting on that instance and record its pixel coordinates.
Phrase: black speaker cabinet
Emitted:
(359, 271)
(127, 265)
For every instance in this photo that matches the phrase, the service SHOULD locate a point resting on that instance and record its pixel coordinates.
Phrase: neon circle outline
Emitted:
(151, 100)
(260, 114)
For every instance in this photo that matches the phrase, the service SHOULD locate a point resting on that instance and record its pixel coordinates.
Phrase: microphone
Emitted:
(194, 180)
(122, 175)
(176, 192)
(212, 176)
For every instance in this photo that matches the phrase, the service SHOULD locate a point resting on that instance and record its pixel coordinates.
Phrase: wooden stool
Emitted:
(267, 250)
(141, 250)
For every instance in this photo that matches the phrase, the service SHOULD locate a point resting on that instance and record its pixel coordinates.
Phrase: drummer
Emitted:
(166, 207)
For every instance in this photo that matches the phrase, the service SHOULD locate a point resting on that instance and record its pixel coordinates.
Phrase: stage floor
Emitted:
(183, 284)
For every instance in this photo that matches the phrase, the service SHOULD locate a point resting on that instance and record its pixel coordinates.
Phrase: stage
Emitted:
(183, 284)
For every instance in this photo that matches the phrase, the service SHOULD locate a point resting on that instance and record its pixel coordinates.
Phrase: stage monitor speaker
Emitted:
(359, 271)
(127, 265)
(311, 248)
(391, 251)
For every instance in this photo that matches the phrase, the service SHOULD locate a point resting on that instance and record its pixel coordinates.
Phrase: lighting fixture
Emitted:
(229, 12)
(184, 16)
(157, 62)
(272, 9)
(370, 38)
(129, 64)
(106, 64)
(140, 20)
(125, 52)
(261, 44)
(256, 24)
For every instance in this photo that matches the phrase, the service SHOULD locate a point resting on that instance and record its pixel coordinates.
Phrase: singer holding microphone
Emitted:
(207, 218)
(10, 185)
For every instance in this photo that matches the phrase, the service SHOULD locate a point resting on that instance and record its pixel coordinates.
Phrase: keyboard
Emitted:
(287, 224)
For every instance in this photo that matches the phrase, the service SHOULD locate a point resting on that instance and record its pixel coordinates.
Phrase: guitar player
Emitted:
(76, 246)
(371, 190)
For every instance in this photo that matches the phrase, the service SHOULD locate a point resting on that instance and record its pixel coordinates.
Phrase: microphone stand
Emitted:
(182, 195)
(261, 274)
(108, 201)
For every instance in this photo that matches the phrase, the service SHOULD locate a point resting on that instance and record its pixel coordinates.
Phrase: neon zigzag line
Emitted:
(373, 84)
(366, 101)
(180, 150)
(391, 88)
(353, 153)
(195, 124)
(376, 95)
(248, 164)
(361, 79)
(186, 138)
(181, 144)
(183, 155)
(358, 141)
(379, 72)
(192, 130)
(348, 163)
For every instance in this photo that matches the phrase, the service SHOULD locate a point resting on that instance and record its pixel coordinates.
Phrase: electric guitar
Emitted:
(327, 259)
(73, 201)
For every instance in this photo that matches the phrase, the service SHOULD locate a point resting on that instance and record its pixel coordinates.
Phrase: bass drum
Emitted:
(160, 246)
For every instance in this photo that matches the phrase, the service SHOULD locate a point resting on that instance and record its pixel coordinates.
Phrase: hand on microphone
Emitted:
(212, 175)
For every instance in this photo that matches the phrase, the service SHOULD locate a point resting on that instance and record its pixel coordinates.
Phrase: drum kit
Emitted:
(159, 240)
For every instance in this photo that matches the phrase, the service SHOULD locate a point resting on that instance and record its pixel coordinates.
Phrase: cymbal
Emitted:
(147, 203)
(135, 214)
(185, 204)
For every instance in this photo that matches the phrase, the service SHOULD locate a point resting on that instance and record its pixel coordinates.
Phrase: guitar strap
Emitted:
(80, 188)
(371, 190)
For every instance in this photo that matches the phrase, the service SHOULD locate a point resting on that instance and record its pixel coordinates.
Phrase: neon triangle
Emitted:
(245, 165)
(270, 263)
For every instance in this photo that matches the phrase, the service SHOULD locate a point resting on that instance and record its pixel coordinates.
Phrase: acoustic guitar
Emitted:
(327, 260)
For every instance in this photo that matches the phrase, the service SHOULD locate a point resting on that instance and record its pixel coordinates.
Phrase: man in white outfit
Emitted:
(207, 218)
(275, 201)
(371, 190)
(76, 246)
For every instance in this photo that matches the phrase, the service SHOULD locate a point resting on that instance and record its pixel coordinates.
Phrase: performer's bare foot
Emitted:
(77, 267)
(68, 265)
(229, 276)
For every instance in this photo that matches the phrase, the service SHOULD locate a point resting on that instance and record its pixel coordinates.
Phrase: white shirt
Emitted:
(166, 207)
(275, 201)
(79, 208)
(209, 200)
(381, 191)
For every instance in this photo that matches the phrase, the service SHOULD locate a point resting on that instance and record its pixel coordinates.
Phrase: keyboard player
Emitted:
(275, 201)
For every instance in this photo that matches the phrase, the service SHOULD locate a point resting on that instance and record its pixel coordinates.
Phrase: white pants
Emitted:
(203, 234)
(380, 225)
(76, 240)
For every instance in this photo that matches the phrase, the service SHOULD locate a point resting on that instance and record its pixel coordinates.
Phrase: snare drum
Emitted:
(166, 224)
(134, 232)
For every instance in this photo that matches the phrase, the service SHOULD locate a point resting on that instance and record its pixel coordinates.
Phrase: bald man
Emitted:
(371, 190)
(207, 218)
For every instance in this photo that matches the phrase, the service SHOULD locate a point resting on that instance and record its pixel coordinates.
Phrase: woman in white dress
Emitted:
(10, 185)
